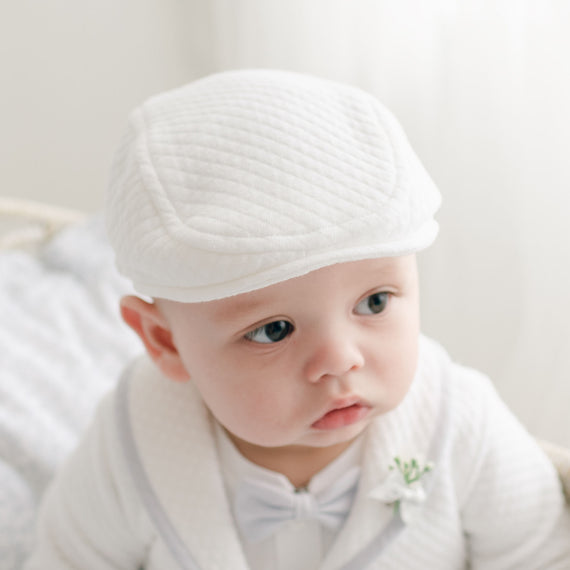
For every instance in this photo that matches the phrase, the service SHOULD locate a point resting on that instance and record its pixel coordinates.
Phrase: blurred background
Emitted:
(481, 87)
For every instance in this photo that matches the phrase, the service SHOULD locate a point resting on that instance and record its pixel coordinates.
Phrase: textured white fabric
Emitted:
(299, 544)
(247, 178)
(62, 345)
(496, 499)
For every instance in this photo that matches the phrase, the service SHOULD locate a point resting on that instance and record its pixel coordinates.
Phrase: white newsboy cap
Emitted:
(247, 178)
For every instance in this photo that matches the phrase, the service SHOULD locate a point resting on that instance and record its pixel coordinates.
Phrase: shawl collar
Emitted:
(179, 459)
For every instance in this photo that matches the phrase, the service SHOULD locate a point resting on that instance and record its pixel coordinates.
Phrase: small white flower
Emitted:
(403, 488)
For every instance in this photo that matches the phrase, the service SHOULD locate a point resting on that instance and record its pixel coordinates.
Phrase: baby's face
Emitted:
(309, 361)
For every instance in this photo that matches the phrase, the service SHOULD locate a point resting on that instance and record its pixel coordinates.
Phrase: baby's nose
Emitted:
(333, 356)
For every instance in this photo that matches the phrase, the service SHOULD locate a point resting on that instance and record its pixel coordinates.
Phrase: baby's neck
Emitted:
(298, 463)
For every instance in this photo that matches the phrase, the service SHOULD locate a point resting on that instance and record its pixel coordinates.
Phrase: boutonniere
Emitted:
(403, 487)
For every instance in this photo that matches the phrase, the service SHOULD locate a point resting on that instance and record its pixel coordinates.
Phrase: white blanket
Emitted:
(61, 346)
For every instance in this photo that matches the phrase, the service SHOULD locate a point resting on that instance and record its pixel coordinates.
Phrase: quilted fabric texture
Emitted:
(247, 178)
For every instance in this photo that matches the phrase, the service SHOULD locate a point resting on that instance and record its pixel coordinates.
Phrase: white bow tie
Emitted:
(261, 508)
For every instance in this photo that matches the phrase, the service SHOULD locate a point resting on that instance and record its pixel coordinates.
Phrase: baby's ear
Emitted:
(153, 329)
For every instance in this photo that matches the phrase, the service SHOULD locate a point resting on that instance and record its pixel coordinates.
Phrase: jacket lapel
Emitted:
(180, 459)
(368, 517)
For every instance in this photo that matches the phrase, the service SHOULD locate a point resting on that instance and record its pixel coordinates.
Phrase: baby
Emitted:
(288, 414)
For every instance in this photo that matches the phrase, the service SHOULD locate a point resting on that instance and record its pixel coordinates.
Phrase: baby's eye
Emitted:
(373, 304)
(271, 332)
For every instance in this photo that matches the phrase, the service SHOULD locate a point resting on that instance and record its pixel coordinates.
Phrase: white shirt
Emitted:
(298, 544)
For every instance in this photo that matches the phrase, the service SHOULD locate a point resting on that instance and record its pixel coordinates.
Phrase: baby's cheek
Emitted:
(267, 416)
(391, 379)
(263, 406)
(404, 375)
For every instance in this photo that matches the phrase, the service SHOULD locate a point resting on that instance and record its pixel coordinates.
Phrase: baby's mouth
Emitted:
(342, 415)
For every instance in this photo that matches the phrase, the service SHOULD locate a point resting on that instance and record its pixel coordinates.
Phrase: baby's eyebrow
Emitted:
(234, 309)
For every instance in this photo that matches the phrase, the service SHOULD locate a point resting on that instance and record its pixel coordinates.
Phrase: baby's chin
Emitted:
(314, 440)
(319, 439)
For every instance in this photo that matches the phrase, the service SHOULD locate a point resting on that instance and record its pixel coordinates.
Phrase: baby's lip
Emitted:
(346, 402)
(342, 411)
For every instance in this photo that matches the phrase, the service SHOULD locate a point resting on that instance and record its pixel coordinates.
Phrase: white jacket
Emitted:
(144, 489)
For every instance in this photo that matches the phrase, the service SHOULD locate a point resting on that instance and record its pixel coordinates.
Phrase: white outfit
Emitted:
(145, 488)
